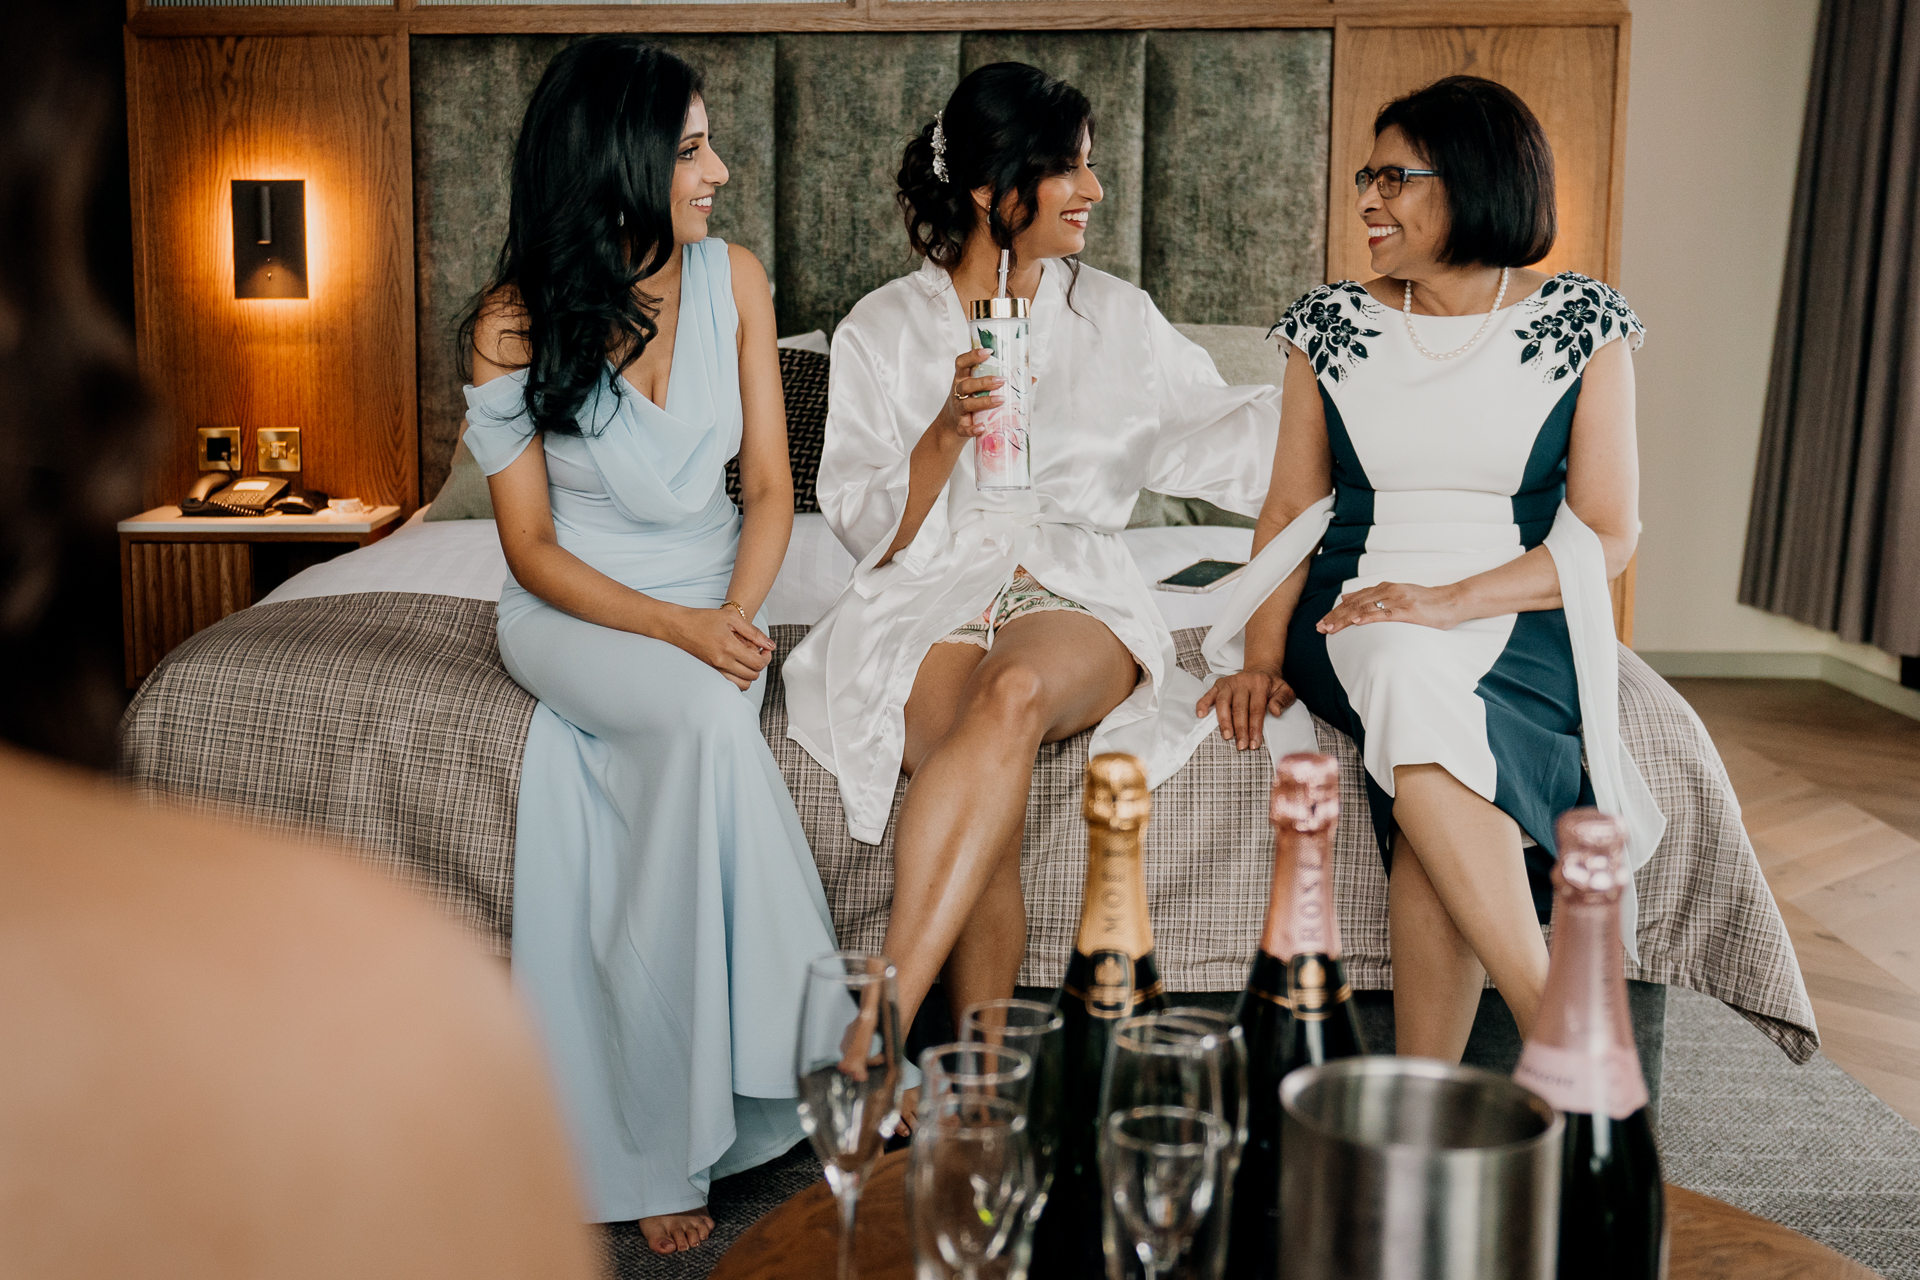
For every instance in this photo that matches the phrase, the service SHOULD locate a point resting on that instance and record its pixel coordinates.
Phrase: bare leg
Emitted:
(1470, 863)
(1049, 676)
(1436, 976)
(676, 1232)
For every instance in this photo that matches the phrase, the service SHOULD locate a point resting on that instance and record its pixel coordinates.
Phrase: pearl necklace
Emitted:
(1406, 310)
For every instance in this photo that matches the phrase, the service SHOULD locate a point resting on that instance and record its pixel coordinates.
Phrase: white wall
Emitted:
(1716, 98)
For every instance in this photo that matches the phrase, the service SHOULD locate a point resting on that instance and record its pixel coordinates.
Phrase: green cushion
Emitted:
(1244, 357)
(465, 495)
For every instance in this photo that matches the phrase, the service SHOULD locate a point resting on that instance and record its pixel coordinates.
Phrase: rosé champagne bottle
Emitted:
(1581, 1059)
(1297, 1008)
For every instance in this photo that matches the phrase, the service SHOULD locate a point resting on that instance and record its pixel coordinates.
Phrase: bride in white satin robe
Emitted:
(1120, 402)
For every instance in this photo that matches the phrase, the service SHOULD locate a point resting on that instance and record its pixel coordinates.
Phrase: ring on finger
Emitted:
(962, 396)
(1380, 604)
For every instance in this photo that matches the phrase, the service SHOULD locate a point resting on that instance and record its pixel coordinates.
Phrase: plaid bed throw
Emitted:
(387, 722)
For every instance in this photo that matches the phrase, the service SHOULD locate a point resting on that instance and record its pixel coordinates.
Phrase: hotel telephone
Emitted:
(212, 495)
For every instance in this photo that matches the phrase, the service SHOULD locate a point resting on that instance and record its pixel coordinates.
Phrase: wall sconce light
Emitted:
(269, 239)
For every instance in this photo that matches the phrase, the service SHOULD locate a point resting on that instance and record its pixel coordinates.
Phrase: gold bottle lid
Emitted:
(997, 309)
(1306, 792)
(1116, 796)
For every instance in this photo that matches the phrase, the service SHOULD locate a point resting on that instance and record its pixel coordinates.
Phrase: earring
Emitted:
(621, 220)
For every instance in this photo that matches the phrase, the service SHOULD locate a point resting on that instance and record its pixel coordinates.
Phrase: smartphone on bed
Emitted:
(1202, 575)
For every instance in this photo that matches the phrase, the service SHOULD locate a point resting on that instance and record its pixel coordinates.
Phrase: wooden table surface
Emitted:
(799, 1240)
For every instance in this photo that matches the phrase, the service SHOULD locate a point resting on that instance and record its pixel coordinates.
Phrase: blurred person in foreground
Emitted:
(224, 1054)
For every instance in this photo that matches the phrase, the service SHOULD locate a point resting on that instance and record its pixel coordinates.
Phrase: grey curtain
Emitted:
(1833, 538)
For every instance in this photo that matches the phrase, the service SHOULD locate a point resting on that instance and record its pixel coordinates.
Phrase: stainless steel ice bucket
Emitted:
(1412, 1169)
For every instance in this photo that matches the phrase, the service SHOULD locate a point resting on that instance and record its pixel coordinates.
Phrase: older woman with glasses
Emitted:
(1432, 562)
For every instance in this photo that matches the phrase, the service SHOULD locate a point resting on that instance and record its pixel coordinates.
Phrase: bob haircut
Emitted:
(1494, 164)
(1006, 127)
(589, 217)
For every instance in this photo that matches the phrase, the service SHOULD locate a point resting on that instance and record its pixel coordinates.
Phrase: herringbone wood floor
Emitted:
(1829, 785)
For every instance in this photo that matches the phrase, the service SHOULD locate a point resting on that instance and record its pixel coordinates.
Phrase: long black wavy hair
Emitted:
(1008, 126)
(67, 376)
(590, 217)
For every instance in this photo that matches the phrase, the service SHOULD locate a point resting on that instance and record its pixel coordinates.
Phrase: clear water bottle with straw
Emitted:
(1000, 325)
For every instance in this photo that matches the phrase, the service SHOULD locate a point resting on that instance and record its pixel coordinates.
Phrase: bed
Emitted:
(364, 700)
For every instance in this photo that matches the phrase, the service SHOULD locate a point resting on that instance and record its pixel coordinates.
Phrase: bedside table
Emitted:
(181, 574)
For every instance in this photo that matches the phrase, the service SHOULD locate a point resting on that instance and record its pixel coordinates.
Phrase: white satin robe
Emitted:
(1121, 402)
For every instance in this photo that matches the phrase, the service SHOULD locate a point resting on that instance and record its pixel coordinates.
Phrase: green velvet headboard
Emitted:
(1212, 146)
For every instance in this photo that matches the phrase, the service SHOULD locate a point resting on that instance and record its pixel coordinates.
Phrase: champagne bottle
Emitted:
(1111, 976)
(1297, 1009)
(1581, 1059)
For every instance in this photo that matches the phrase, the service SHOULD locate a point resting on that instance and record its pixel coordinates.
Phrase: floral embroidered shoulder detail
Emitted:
(1568, 320)
(1329, 324)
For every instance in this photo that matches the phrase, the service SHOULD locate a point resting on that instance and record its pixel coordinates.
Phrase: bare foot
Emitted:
(909, 1112)
(676, 1232)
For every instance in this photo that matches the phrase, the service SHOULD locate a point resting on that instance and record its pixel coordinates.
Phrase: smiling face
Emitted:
(697, 174)
(1065, 201)
(1405, 234)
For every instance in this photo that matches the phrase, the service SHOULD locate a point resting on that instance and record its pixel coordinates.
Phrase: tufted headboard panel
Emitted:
(1212, 146)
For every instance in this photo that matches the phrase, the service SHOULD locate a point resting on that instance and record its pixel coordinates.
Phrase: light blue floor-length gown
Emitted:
(665, 900)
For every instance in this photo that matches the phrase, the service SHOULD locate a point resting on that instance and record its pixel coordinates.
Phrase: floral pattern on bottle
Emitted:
(1323, 324)
(1572, 317)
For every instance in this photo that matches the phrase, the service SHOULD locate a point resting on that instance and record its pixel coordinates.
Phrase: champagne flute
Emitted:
(969, 1067)
(848, 1064)
(1161, 1168)
(1038, 1030)
(1184, 1058)
(972, 1175)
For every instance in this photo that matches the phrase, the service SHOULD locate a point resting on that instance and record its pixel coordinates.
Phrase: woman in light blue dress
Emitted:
(665, 900)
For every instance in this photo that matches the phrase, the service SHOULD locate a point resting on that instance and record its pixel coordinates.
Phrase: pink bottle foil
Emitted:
(1581, 1056)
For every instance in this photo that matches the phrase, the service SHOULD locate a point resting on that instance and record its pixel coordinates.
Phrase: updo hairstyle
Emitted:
(1494, 162)
(1008, 126)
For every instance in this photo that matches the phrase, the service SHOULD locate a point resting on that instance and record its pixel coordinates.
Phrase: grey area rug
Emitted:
(1807, 1147)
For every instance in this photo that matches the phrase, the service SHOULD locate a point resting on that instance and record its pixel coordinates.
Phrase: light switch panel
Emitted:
(219, 449)
(279, 448)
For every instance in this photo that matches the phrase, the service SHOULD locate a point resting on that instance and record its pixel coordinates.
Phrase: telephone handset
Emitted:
(212, 495)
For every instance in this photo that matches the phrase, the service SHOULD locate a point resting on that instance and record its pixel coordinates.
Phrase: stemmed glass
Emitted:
(1191, 1058)
(972, 1176)
(848, 1064)
(1161, 1167)
(972, 1068)
(1039, 1031)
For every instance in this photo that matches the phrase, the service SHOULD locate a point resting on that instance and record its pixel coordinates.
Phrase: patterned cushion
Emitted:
(803, 380)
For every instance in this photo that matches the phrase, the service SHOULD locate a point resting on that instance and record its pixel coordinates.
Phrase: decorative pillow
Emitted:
(465, 495)
(1244, 357)
(803, 380)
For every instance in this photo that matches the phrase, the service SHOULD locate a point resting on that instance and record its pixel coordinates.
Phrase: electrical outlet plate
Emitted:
(219, 449)
(279, 448)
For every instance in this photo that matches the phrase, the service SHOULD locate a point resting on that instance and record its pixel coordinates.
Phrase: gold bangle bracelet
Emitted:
(736, 608)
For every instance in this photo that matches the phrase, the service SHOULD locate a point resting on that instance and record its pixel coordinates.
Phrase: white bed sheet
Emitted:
(463, 558)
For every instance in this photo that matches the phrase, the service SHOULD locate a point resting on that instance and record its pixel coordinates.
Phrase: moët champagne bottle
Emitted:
(1111, 976)
(1581, 1058)
(1297, 1009)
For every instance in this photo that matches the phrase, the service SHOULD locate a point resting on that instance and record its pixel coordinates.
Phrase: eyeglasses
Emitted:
(1391, 178)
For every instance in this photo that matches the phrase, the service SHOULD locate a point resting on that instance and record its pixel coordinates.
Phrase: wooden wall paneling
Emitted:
(332, 110)
(852, 15)
(1569, 75)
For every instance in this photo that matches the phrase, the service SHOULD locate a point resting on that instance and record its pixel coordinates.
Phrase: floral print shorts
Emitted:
(1022, 596)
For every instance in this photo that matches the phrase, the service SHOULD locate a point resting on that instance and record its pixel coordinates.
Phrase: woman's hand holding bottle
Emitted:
(724, 640)
(971, 396)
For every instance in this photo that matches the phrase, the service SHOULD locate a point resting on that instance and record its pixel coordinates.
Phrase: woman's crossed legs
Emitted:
(1458, 910)
(975, 722)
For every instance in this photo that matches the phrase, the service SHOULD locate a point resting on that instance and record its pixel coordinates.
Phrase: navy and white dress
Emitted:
(1443, 469)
